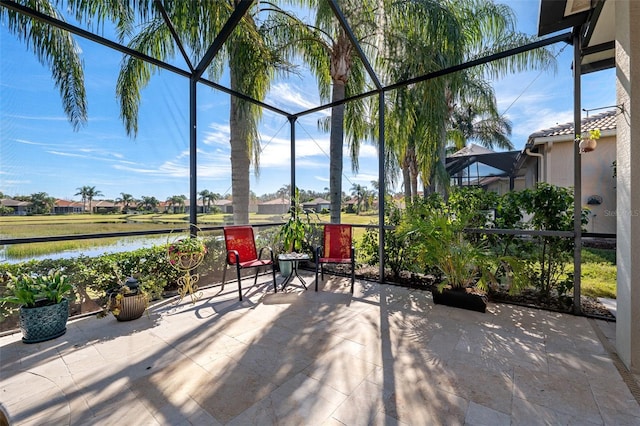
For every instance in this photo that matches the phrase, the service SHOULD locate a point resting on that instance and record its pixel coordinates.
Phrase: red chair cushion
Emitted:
(334, 260)
(254, 263)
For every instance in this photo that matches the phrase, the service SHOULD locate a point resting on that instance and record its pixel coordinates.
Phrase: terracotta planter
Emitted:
(460, 299)
(587, 145)
(44, 322)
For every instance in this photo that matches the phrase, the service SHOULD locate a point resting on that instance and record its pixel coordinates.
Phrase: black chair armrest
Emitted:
(265, 248)
(235, 254)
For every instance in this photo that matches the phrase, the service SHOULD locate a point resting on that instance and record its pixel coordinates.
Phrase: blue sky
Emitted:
(40, 152)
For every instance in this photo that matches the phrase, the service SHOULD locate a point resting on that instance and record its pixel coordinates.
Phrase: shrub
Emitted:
(551, 208)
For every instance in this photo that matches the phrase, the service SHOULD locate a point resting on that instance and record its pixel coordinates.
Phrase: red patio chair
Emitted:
(337, 247)
(241, 252)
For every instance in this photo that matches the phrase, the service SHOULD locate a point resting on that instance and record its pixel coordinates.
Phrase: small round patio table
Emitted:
(294, 258)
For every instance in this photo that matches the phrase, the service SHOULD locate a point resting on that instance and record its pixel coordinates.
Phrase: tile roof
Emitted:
(67, 203)
(277, 201)
(10, 202)
(603, 121)
(318, 201)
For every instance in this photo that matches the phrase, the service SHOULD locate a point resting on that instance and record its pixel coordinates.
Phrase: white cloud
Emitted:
(287, 95)
(367, 150)
(38, 117)
(68, 154)
(219, 135)
(26, 142)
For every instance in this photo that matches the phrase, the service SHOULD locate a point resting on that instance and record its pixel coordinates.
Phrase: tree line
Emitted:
(43, 203)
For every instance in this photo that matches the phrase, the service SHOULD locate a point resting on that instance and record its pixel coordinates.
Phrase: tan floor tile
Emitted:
(294, 402)
(552, 391)
(486, 388)
(527, 413)
(342, 372)
(363, 405)
(479, 415)
(591, 365)
(613, 396)
(420, 404)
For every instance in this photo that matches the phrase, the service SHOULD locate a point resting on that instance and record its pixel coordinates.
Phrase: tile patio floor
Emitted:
(384, 356)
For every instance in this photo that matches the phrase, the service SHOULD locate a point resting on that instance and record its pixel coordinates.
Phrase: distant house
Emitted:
(226, 206)
(104, 206)
(349, 206)
(20, 208)
(277, 206)
(317, 205)
(493, 171)
(548, 157)
(67, 207)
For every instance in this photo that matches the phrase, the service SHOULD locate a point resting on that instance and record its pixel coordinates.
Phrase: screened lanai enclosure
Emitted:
(386, 73)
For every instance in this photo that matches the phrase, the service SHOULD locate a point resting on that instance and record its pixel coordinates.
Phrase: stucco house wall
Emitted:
(548, 157)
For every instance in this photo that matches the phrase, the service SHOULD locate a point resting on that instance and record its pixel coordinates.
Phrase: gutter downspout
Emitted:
(541, 156)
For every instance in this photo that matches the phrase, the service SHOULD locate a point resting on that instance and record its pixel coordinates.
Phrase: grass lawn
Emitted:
(598, 273)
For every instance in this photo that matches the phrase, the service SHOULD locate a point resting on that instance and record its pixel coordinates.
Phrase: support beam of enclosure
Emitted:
(577, 170)
(381, 187)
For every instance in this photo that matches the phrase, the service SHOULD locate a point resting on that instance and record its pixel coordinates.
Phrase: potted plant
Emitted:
(294, 232)
(437, 239)
(587, 141)
(186, 253)
(126, 301)
(44, 307)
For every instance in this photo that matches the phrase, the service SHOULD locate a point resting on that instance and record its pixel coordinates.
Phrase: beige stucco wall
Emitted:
(628, 160)
(597, 178)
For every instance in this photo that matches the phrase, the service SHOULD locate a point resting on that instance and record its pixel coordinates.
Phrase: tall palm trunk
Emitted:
(335, 152)
(340, 67)
(406, 180)
(240, 161)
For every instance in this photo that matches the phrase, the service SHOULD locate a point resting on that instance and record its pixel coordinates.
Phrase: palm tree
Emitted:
(148, 203)
(205, 195)
(333, 59)
(440, 34)
(42, 203)
(176, 200)
(125, 199)
(90, 193)
(482, 123)
(251, 60)
(181, 202)
(82, 192)
(212, 198)
(87, 193)
(359, 192)
(56, 49)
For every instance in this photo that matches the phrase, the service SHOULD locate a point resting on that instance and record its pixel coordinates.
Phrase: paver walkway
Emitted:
(386, 355)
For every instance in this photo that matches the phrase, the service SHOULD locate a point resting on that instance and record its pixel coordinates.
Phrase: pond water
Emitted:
(124, 244)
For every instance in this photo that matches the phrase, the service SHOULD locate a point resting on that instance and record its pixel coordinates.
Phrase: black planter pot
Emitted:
(460, 299)
(44, 323)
